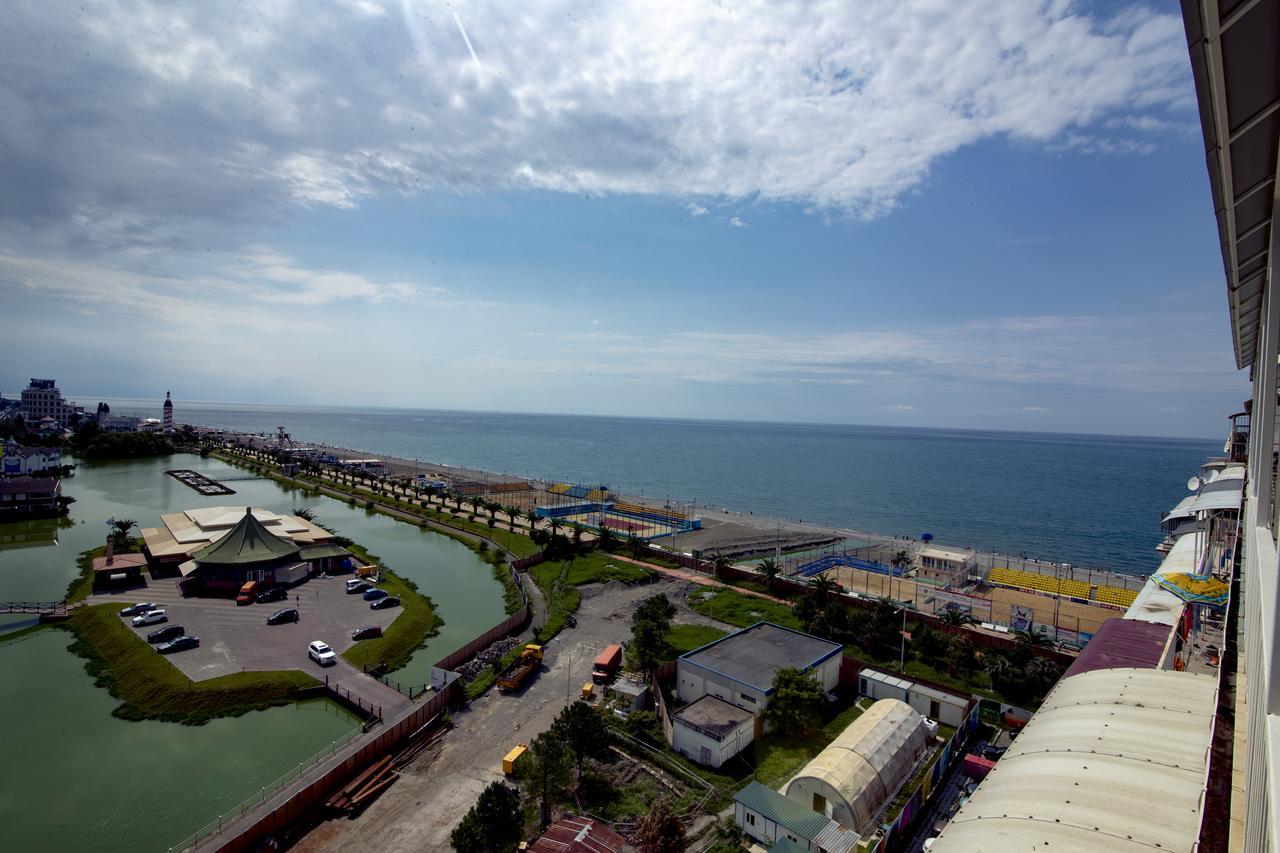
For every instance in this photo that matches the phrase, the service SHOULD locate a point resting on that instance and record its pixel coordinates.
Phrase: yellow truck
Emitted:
(511, 758)
(521, 668)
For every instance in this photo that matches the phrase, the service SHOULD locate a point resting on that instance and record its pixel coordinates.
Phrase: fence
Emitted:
(898, 832)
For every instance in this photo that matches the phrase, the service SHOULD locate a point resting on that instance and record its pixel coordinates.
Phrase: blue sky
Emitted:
(893, 213)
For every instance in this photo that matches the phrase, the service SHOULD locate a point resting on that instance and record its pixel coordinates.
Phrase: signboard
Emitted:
(1021, 617)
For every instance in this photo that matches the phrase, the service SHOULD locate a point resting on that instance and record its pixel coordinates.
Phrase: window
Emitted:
(819, 804)
(935, 709)
(751, 819)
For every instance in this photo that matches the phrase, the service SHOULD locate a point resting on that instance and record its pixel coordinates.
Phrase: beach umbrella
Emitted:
(926, 537)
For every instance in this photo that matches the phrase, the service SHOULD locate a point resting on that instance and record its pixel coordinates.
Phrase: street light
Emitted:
(902, 649)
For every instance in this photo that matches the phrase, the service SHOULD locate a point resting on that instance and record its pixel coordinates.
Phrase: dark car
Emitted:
(179, 645)
(276, 593)
(354, 586)
(165, 634)
(282, 616)
(374, 594)
(384, 603)
(992, 753)
(367, 633)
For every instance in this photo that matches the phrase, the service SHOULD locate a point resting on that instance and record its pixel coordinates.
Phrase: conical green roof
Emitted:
(248, 542)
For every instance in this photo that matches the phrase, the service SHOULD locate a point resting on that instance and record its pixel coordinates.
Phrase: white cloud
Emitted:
(736, 222)
(695, 209)
(169, 117)
(1035, 409)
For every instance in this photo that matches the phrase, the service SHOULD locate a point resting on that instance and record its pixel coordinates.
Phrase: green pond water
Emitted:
(77, 778)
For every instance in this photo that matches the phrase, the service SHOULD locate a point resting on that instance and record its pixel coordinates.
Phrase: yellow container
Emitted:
(509, 761)
(587, 689)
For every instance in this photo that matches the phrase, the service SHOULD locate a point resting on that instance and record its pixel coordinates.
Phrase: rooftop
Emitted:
(713, 716)
(768, 803)
(578, 835)
(248, 542)
(22, 485)
(1115, 759)
(752, 655)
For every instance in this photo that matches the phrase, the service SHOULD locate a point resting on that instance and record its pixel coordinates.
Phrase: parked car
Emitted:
(385, 602)
(369, 632)
(320, 652)
(179, 645)
(282, 616)
(275, 593)
(356, 585)
(165, 634)
(373, 594)
(151, 617)
(993, 753)
(248, 593)
(137, 609)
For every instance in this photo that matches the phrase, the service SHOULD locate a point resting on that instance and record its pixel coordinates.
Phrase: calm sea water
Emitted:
(1085, 499)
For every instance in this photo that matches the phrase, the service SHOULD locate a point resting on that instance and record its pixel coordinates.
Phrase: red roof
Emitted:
(578, 835)
(1123, 643)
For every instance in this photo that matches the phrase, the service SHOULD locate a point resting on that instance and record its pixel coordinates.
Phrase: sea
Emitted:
(1085, 499)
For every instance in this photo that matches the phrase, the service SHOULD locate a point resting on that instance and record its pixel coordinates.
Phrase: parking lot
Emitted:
(236, 638)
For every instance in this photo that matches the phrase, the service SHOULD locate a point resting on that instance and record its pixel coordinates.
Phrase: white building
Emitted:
(736, 672)
(29, 460)
(42, 399)
(710, 731)
(947, 708)
(941, 566)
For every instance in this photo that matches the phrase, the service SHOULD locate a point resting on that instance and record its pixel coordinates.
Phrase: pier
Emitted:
(202, 484)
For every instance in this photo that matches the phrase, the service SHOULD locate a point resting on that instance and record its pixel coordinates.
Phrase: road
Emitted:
(420, 810)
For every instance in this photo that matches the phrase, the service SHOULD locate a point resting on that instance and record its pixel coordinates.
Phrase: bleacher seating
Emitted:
(560, 489)
(1019, 579)
(666, 515)
(1115, 595)
(830, 561)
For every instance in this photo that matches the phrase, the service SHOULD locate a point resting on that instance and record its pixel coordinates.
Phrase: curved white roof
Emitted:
(1115, 759)
(862, 768)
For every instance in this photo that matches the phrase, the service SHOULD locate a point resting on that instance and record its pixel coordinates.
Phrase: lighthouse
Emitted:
(168, 415)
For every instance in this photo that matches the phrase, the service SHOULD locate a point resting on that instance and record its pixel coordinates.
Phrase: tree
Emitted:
(650, 627)
(957, 618)
(581, 728)
(720, 564)
(555, 525)
(532, 516)
(960, 654)
(797, 703)
(120, 532)
(638, 546)
(660, 831)
(769, 568)
(493, 824)
(606, 538)
(548, 770)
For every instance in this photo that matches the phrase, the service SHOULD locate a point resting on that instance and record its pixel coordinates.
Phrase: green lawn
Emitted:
(417, 621)
(686, 638)
(562, 597)
(599, 567)
(150, 687)
(726, 605)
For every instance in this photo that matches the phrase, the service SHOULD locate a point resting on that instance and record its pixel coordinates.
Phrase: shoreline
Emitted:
(760, 530)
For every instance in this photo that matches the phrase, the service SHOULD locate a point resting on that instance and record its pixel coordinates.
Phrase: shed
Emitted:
(852, 779)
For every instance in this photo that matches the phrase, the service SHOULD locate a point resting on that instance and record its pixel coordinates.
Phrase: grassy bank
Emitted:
(417, 622)
(517, 543)
(149, 687)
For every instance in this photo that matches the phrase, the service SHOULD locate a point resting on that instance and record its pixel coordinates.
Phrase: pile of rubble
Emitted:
(486, 658)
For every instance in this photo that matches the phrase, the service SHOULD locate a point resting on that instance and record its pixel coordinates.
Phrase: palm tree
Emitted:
(120, 531)
(638, 546)
(606, 538)
(1037, 640)
(769, 568)
(555, 525)
(824, 586)
(719, 564)
(532, 516)
(957, 618)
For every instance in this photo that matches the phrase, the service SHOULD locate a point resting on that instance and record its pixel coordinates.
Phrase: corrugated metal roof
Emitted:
(1122, 643)
(1114, 760)
(765, 801)
(578, 835)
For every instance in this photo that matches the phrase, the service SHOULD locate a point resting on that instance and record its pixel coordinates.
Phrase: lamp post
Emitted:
(902, 646)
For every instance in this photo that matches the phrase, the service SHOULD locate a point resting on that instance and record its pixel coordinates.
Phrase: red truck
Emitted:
(607, 664)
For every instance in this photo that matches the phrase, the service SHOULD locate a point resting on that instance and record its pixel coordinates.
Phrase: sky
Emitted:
(992, 214)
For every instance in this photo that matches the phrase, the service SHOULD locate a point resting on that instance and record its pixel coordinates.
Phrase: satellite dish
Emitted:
(1193, 484)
